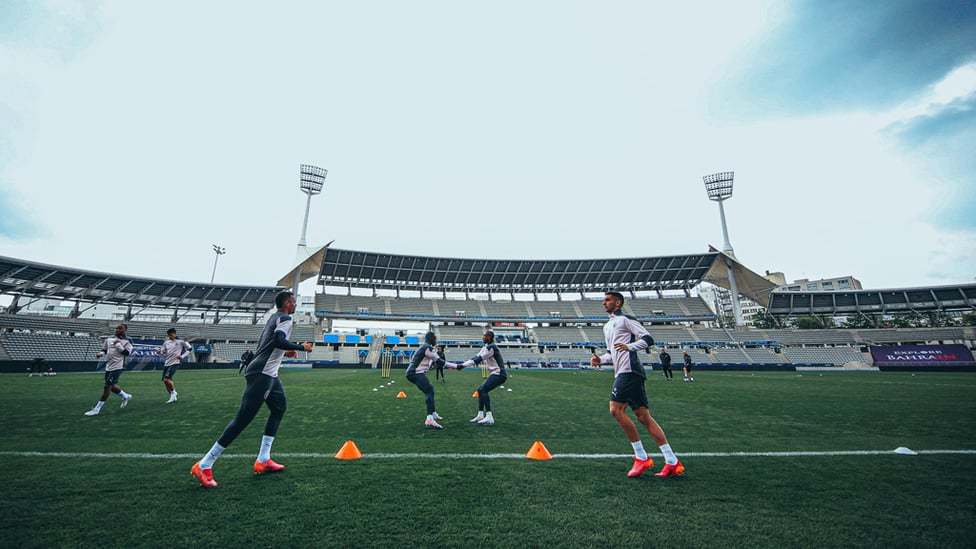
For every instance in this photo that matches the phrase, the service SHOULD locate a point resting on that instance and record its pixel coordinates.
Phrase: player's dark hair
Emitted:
(618, 296)
(124, 325)
(281, 297)
(171, 331)
(430, 337)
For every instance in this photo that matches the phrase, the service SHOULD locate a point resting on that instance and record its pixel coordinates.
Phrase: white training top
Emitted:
(622, 329)
(113, 349)
(175, 350)
(492, 357)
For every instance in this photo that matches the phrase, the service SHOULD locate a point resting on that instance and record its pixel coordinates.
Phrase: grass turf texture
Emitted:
(825, 501)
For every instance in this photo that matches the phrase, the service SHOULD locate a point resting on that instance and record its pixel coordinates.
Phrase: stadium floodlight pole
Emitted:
(719, 188)
(219, 252)
(312, 180)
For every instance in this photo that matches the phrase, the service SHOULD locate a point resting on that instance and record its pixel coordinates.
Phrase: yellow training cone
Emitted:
(474, 394)
(401, 394)
(349, 450)
(538, 451)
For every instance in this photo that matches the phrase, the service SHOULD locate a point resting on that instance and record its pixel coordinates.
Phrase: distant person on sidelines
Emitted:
(439, 365)
(263, 387)
(687, 368)
(115, 349)
(492, 357)
(246, 359)
(37, 367)
(175, 350)
(625, 336)
(421, 361)
(666, 364)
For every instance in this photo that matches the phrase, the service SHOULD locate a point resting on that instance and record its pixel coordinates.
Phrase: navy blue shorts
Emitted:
(112, 378)
(170, 371)
(629, 388)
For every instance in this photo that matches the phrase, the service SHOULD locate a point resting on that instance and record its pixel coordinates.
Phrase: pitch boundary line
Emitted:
(484, 456)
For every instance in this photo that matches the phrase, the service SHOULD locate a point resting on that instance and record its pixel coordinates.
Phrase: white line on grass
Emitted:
(487, 456)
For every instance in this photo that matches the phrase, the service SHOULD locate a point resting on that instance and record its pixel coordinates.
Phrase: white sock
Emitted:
(430, 417)
(489, 416)
(669, 456)
(209, 459)
(481, 414)
(639, 451)
(99, 404)
(172, 393)
(124, 394)
(265, 453)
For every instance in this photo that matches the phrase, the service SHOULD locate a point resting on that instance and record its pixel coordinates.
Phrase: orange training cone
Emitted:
(349, 450)
(401, 394)
(538, 451)
(474, 394)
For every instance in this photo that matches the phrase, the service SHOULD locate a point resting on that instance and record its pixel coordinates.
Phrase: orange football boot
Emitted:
(671, 470)
(640, 465)
(205, 476)
(269, 466)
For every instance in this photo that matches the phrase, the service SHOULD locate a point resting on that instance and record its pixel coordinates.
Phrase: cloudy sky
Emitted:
(134, 135)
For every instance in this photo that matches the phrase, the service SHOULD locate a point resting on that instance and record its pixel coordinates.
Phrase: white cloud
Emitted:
(959, 83)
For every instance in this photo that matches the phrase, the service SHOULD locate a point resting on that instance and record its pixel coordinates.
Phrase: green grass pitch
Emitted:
(122, 478)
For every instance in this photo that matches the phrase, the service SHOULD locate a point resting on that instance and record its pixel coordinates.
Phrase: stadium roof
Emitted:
(404, 272)
(26, 279)
(306, 269)
(936, 298)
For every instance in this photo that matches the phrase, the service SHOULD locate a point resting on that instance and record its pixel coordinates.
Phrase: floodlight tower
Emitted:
(719, 188)
(312, 180)
(219, 251)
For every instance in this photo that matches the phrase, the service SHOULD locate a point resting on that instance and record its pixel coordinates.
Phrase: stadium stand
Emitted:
(462, 334)
(670, 335)
(675, 318)
(406, 306)
(56, 324)
(938, 298)
(361, 304)
(555, 335)
(812, 337)
(591, 308)
(711, 335)
(568, 357)
(521, 355)
(27, 346)
(594, 334)
(697, 356)
(911, 335)
(735, 355)
(827, 355)
(677, 307)
(230, 351)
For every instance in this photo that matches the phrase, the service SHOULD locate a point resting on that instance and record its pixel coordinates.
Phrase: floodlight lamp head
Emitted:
(719, 185)
(312, 179)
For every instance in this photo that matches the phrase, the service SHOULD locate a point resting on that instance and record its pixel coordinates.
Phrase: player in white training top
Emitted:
(625, 336)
